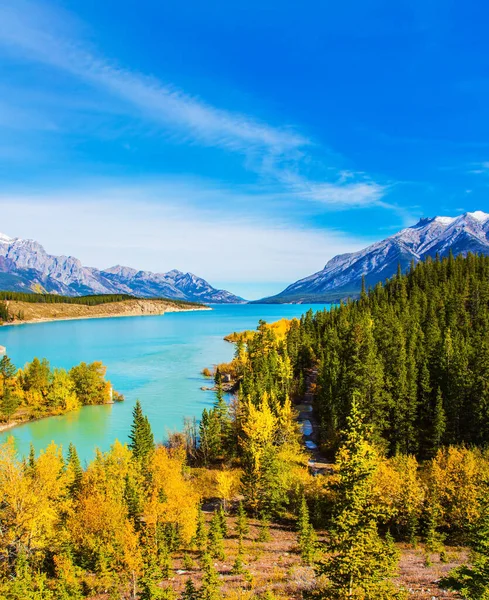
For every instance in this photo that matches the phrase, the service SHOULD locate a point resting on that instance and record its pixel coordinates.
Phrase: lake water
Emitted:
(157, 360)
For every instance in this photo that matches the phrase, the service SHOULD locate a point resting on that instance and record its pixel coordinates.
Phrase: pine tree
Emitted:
(32, 457)
(7, 369)
(210, 580)
(190, 592)
(201, 536)
(216, 546)
(307, 535)
(76, 470)
(149, 588)
(223, 521)
(242, 527)
(264, 533)
(438, 424)
(141, 437)
(9, 403)
(359, 561)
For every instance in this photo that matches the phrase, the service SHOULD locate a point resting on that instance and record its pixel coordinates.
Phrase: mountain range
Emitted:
(25, 266)
(342, 275)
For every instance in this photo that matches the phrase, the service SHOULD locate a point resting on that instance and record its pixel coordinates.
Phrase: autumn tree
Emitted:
(472, 582)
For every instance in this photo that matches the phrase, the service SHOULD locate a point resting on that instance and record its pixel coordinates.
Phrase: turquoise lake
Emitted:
(157, 360)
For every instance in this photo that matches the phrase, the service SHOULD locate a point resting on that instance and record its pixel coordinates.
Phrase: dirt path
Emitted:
(318, 464)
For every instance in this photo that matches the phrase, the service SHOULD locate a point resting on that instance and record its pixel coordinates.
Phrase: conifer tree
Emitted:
(216, 546)
(307, 535)
(242, 527)
(190, 592)
(149, 588)
(222, 521)
(9, 403)
(141, 437)
(201, 535)
(359, 561)
(264, 533)
(438, 424)
(210, 580)
(32, 457)
(7, 369)
(76, 470)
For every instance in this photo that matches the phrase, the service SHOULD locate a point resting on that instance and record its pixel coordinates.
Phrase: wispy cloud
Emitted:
(38, 34)
(29, 30)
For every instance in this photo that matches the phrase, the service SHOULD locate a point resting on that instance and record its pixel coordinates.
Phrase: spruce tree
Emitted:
(141, 437)
(9, 403)
(222, 521)
(307, 535)
(264, 533)
(242, 527)
(216, 546)
(358, 561)
(7, 369)
(76, 470)
(190, 592)
(438, 424)
(201, 535)
(32, 457)
(210, 580)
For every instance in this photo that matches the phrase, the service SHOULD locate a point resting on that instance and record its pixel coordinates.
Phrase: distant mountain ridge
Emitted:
(26, 266)
(342, 275)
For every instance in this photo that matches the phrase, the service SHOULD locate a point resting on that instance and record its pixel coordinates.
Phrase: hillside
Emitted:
(342, 275)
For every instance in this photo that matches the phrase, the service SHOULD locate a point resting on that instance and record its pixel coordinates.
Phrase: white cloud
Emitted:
(131, 227)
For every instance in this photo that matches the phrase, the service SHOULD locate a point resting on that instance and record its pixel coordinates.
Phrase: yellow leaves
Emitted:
(32, 501)
(108, 471)
(398, 491)
(455, 478)
(227, 484)
(100, 526)
(171, 498)
(259, 424)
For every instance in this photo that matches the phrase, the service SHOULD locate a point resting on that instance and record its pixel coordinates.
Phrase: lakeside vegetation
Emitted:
(399, 381)
(37, 390)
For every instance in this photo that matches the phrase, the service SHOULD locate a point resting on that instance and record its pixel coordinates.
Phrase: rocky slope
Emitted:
(26, 266)
(342, 275)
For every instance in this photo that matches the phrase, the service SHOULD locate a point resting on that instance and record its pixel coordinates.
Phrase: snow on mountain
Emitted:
(342, 275)
(26, 266)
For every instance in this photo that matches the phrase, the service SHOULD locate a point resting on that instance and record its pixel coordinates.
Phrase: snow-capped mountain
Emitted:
(342, 275)
(26, 266)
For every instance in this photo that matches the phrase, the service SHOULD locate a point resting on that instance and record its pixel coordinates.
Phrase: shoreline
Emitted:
(102, 316)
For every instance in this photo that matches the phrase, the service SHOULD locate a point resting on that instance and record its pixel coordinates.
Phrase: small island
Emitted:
(18, 307)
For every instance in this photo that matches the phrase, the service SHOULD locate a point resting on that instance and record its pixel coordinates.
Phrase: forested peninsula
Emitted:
(38, 391)
(228, 508)
(18, 307)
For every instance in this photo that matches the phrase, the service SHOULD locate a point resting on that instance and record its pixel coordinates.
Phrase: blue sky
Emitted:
(247, 142)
